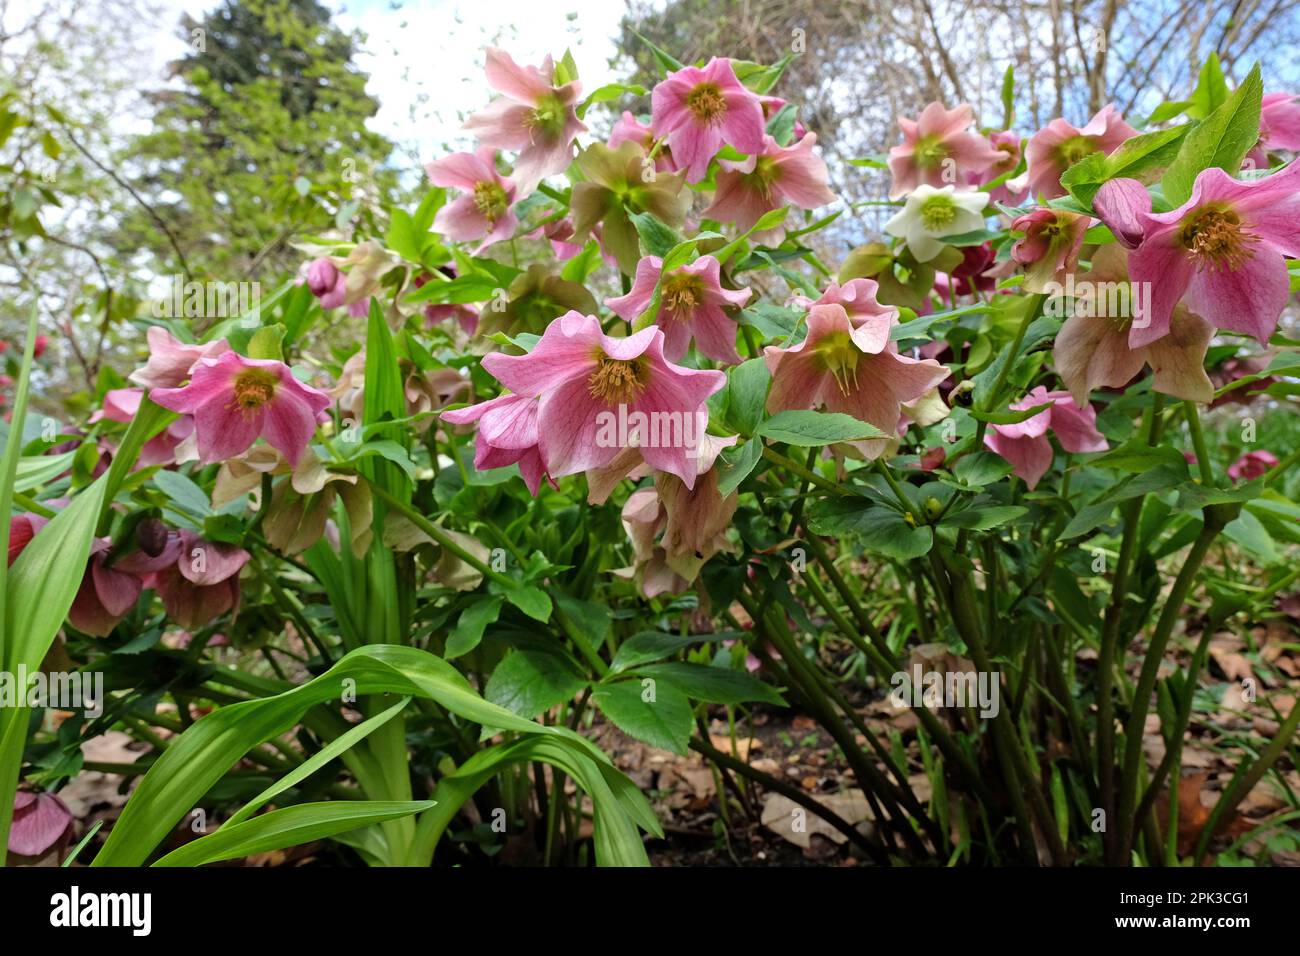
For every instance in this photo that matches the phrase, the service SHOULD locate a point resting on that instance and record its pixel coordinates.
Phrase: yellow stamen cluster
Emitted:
(616, 381)
(490, 200)
(1216, 238)
(254, 387)
(681, 294)
(707, 104)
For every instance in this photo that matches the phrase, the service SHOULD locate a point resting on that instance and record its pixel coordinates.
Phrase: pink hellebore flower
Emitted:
(1225, 249)
(326, 282)
(534, 116)
(1279, 126)
(1092, 348)
(170, 361)
(938, 150)
(589, 383)
(121, 405)
(690, 306)
(1025, 444)
(507, 434)
(235, 399)
(698, 110)
(197, 579)
(106, 594)
(1059, 145)
(1050, 248)
(40, 822)
(768, 180)
(629, 128)
(1251, 465)
(1007, 145)
(22, 528)
(485, 208)
(848, 364)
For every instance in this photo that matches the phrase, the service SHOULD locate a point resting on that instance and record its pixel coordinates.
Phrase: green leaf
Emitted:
(667, 63)
(983, 517)
(610, 91)
(529, 681)
(981, 468)
(1222, 140)
(1136, 456)
(736, 464)
(200, 756)
(716, 685)
(36, 470)
(532, 601)
(316, 762)
(183, 492)
(880, 530)
(291, 826)
(1009, 96)
(760, 78)
(655, 713)
(1249, 532)
(405, 238)
(807, 428)
(649, 646)
(656, 236)
(265, 343)
(746, 393)
(1211, 89)
(471, 624)
(1134, 159)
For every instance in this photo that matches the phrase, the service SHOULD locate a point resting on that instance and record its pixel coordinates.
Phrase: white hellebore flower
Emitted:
(930, 214)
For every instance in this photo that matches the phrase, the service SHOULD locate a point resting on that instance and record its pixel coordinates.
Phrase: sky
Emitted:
(425, 57)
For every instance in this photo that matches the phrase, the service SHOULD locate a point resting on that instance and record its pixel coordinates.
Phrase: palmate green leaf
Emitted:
(200, 756)
(880, 530)
(1223, 139)
(664, 721)
(531, 680)
(291, 826)
(618, 807)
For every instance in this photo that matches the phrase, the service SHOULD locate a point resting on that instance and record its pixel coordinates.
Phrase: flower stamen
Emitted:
(707, 104)
(616, 381)
(254, 388)
(1216, 239)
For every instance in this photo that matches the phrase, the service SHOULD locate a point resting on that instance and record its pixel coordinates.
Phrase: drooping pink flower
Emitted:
(630, 129)
(598, 393)
(485, 208)
(507, 434)
(1050, 247)
(1059, 145)
(1026, 445)
(326, 282)
(690, 306)
(847, 363)
(1253, 464)
(938, 150)
(534, 116)
(170, 361)
(699, 110)
(22, 528)
(1092, 348)
(106, 594)
(121, 405)
(776, 175)
(40, 822)
(1225, 249)
(234, 400)
(1279, 127)
(1119, 203)
(197, 579)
